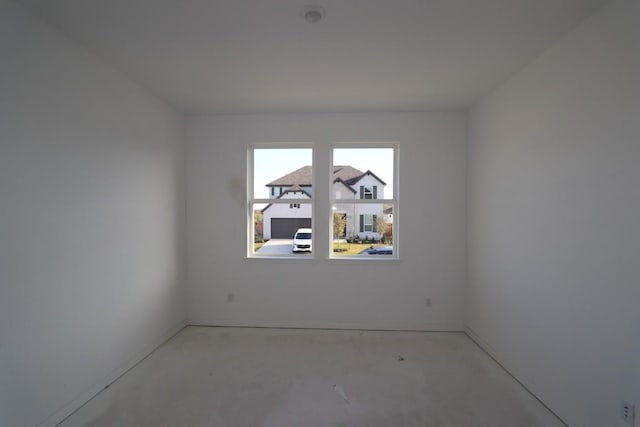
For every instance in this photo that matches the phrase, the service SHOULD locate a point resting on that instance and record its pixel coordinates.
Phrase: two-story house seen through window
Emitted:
(361, 199)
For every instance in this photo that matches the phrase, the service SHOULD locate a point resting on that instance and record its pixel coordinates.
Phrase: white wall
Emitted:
(554, 221)
(91, 219)
(321, 292)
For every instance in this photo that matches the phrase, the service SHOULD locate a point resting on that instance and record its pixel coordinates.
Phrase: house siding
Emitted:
(355, 211)
(341, 191)
(285, 211)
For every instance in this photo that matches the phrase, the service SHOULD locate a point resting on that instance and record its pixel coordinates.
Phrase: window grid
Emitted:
(379, 229)
(367, 194)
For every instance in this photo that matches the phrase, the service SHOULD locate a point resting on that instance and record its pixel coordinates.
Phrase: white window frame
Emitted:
(365, 224)
(367, 191)
(394, 201)
(251, 200)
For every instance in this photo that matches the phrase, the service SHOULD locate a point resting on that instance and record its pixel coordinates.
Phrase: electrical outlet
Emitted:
(427, 302)
(628, 413)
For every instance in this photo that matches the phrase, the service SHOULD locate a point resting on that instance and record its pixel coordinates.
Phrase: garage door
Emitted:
(285, 228)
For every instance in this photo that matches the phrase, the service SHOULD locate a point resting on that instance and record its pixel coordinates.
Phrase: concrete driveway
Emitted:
(278, 247)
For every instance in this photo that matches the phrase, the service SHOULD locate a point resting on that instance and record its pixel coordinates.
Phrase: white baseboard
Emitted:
(386, 326)
(100, 385)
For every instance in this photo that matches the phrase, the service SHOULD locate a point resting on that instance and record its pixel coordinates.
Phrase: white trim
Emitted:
(251, 201)
(416, 326)
(365, 224)
(281, 201)
(367, 190)
(327, 200)
(357, 201)
(363, 201)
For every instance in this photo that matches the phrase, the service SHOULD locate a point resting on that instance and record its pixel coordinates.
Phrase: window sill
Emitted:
(372, 258)
(303, 258)
(310, 259)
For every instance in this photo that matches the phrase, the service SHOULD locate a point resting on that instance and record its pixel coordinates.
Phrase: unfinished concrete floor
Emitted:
(207, 376)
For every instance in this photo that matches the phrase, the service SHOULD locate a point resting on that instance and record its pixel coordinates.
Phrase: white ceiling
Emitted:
(229, 56)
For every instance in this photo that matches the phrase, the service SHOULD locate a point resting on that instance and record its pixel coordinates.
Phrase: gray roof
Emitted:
(303, 176)
(293, 189)
(347, 174)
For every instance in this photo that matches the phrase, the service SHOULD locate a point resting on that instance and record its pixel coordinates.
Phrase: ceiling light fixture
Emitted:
(313, 14)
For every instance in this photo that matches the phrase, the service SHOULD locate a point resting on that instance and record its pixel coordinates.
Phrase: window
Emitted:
(279, 199)
(364, 201)
(366, 223)
(362, 194)
(367, 192)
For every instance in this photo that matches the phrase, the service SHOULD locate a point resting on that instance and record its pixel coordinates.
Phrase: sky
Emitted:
(270, 164)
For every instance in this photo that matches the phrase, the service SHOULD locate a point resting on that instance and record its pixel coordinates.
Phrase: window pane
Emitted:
(363, 173)
(362, 229)
(277, 171)
(282, 174)
(282, 231)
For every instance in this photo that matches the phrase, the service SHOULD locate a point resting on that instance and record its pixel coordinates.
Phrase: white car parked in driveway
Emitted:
(302, 241)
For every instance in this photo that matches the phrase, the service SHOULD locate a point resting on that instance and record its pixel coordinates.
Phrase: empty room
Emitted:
(339, 213)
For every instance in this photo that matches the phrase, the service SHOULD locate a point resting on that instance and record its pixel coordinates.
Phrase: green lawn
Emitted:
(348, 249)
(340, 249)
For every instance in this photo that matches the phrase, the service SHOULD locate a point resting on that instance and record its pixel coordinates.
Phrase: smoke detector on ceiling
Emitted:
(313, 14)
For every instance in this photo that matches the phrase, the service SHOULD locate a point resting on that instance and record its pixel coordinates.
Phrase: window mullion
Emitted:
(281, 201)
(363, 201)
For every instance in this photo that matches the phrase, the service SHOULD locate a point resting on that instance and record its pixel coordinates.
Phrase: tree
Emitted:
(258, 225)
(339, 227)
(381, 226)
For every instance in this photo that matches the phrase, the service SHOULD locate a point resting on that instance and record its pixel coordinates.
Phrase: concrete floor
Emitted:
(283, 377)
